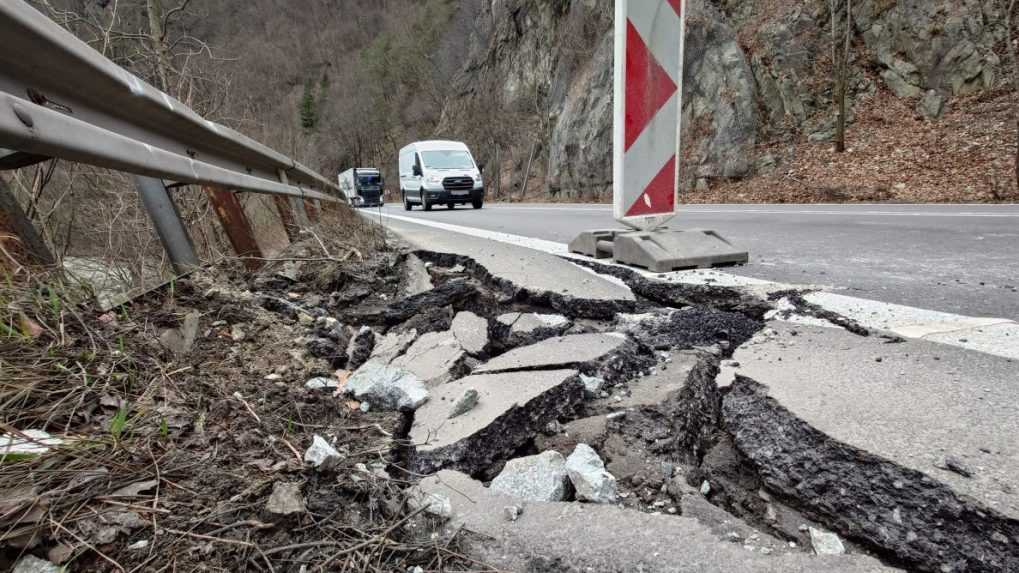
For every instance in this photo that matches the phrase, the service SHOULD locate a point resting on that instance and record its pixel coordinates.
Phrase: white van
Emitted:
(439, 173)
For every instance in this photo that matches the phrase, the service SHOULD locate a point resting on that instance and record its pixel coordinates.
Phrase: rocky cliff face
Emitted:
(756, 71)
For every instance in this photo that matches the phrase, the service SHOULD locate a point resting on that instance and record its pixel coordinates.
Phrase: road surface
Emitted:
(960, 259)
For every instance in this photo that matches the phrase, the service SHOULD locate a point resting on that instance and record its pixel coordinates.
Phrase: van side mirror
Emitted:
(417, 170)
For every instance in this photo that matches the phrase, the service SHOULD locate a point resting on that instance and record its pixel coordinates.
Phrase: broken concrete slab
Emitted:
(435, 358)
(590, 480)
(543, 477)
(519, 328)
(825, 542)
(920, 520)
(521, 267)
(611, 356)
(416, 279)
(908, 407)
(572, 537)
(386, 387)
(511, 408)
(471, 332)
(391, 345)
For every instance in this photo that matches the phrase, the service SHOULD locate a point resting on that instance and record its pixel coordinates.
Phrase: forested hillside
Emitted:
(528, 84)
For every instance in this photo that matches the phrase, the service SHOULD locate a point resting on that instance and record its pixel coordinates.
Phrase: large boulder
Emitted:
(588, 476)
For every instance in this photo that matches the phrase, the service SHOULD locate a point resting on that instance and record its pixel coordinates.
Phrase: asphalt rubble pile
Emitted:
(409, 410)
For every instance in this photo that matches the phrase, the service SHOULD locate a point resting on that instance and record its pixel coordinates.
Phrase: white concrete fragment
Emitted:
(534, 478)
(322, 383)
(590, 480)
(826, 543)
(321, 454)
(592, 385)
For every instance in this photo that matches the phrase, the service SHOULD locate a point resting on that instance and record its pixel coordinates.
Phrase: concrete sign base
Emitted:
(661, 250)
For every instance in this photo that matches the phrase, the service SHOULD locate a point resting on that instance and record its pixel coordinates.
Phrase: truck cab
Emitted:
(439, 173)
(363, 186)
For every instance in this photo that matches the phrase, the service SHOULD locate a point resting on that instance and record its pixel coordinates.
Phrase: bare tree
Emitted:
(840, 50)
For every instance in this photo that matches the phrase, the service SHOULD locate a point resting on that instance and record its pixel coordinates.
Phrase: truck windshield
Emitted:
(447, 160)
(369, 180)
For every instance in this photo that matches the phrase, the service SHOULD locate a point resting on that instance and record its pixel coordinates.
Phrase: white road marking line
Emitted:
(687, 210)
(997, 336)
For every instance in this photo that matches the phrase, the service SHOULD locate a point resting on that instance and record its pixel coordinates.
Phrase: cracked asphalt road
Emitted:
(951, 258)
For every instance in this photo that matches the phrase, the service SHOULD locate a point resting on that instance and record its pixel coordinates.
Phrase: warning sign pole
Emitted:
(646, 166)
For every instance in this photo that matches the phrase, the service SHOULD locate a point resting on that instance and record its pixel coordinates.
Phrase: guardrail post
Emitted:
(18, 236)
(286, 216)
(298, 216)
(311, 210)
(237, 226)
(169, 227)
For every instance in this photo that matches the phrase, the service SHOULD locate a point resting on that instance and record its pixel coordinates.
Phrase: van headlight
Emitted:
(479, 182)
(434, 179)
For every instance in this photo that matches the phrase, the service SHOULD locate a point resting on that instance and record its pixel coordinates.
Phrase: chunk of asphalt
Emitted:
(386, 387)
(454, 293)
(922, 521)
(590, 480)
(360, 347)
(471, 331)
(534, 478)
(435, 358)
(611, 356)
(690, 327)
(511, 409)
(573, 537)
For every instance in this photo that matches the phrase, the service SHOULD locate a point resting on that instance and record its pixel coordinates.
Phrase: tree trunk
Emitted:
(158, 37)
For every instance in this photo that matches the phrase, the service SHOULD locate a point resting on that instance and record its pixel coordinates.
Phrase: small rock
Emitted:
(32, 564)
(416, 569)
(705, 488)
(770, 515)
(321, 455)
(955, 465)
(590, 480)
(305, 319)
(592, 385)
(826, 543)
(436, 504)
(512, 512)
(142, 544)
(322, 383)
(365, 407)
(237, 333)
(465, 403)
(766, 551)
(999, 538)
(534, 478)
(285, 499)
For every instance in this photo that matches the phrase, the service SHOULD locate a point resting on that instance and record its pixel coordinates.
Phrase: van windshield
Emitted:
(447, 160)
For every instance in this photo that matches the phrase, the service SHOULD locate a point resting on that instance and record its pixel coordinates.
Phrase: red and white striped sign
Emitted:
(648, 79)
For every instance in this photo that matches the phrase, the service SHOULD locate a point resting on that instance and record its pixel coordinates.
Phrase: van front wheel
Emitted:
(406, 204)
(478, 203)
(425, 204)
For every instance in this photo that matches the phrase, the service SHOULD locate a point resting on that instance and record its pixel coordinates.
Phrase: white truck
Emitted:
(439, 173)
(363, 186)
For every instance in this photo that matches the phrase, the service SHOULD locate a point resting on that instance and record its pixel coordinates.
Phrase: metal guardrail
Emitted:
(59, 98)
